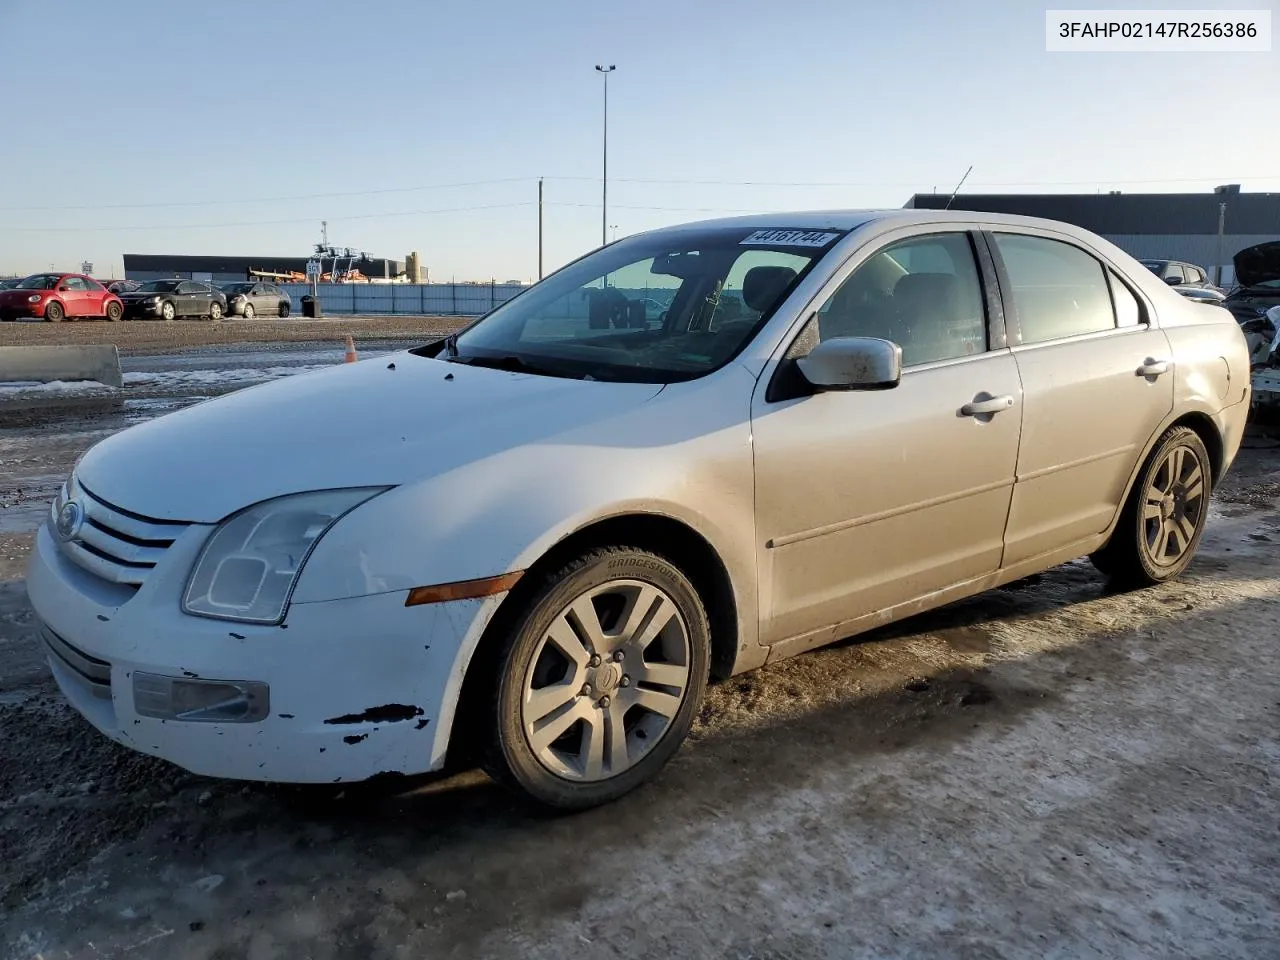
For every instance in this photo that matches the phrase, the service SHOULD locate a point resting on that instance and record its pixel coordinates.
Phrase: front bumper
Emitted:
(355, 687)
(136, 309)
(13, 311)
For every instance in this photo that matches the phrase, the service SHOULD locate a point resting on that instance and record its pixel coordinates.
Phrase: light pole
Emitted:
(604, 188)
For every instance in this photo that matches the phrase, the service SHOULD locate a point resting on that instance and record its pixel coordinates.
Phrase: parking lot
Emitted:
(1047, 770)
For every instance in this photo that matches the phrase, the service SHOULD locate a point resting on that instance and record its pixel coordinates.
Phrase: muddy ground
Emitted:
(1050, 770)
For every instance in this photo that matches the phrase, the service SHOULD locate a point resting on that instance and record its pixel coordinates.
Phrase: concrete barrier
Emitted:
(100, 362)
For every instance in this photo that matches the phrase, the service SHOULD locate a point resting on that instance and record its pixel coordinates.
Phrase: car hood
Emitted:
(1258, 264)
(389, 421)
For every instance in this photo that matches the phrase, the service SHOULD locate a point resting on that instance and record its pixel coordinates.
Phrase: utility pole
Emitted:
(1222, 223)
(604, 189)
(539, 228)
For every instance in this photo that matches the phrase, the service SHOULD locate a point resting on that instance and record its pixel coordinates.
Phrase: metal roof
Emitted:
(1128, 213)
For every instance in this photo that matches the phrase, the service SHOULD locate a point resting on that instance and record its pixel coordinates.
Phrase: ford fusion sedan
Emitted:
(170, 299)
(59, 296)
(533, 543)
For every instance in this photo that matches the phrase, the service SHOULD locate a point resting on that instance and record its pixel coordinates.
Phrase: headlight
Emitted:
(248, 568)
(34, 298)
(152, 300)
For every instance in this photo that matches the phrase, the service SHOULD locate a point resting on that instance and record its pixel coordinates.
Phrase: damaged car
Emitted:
(532, 544)
(1257, 287)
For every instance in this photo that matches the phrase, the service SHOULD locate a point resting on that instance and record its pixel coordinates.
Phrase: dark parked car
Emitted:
(168, 299)
(1257, 282)
(10, 284)
(257, 299)
(55, 296)
(121, 286)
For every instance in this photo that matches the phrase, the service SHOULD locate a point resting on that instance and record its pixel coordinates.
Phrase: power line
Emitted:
(268, 223)
(817, 184)
(277, 199)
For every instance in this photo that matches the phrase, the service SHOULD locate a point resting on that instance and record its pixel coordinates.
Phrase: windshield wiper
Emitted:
(509, 362)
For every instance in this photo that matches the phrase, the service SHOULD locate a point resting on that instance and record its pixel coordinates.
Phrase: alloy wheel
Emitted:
(606, 680)
(1173, 505)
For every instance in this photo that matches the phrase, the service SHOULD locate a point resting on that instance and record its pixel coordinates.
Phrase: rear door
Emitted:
(263, 302)
(1097, 379)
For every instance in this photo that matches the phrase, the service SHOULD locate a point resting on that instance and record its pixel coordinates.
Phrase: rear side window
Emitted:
(75, 283)
(1058, 289)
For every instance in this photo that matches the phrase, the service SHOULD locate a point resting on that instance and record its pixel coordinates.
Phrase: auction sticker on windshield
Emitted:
(791, 238)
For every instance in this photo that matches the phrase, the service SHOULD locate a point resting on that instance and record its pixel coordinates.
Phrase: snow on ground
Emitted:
(205, 378)
(52, 386)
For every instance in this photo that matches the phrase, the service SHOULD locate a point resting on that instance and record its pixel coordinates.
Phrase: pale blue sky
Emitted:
(209, 128)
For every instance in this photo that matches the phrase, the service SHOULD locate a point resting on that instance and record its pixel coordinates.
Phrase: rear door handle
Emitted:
(977, 408)
(1153, 368)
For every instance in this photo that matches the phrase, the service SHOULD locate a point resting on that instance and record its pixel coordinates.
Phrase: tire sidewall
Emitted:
(248, 312)
(115, 312)
(55, 312)
(215, 312)
(1179, 436)
(517, 757)
(168, 312)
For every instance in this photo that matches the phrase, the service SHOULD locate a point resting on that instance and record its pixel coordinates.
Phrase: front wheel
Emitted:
(248, 311)
(284, 310)
(167, 311)
(54, 313)
(114, 312)
(598, 682)
(215, 311)
(1161, 524)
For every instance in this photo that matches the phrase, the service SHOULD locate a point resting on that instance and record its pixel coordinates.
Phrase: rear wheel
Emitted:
(284, 310)
(597, 683)
(53, 312)
(114, 312)
(1164, 518)
(168, 311)
(215, 311)
(248, 311)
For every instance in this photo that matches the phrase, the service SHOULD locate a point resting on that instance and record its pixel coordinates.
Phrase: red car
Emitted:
(56, 296)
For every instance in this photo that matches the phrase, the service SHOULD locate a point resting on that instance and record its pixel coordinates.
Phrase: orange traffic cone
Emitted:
(351, 352)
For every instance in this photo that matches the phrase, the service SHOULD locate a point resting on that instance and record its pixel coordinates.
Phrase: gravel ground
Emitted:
(153, 336)
(1050, 770)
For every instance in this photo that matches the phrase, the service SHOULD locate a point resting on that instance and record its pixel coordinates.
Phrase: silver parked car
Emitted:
(257, 299)
(687, 454)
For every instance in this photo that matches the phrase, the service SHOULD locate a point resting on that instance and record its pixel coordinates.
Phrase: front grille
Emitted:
(116, 545)
(94, 672)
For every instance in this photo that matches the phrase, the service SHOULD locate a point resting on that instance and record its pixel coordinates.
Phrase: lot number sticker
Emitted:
(790, 238)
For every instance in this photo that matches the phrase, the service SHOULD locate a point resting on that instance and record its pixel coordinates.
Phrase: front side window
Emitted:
(923, 294)
(1058, 289)
(660, 308)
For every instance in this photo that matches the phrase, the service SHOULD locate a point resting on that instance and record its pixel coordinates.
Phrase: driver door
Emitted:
(868, 500)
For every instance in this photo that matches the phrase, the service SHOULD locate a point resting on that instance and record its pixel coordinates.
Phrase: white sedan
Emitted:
(684, 455)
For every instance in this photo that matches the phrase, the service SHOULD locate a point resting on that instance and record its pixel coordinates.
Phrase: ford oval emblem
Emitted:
(70, 520)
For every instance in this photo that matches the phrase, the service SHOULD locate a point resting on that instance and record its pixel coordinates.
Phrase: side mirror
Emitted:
(853, 363)
(1172, 281)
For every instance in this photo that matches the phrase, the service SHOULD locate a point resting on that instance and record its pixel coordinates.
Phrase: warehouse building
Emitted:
(142, 266)
(1164, 226)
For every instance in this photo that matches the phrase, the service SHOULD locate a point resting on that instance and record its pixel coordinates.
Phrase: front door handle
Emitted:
(1153, 368)
(986, 406)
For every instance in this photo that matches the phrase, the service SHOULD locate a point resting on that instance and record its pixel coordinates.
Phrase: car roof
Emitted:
(853, 219)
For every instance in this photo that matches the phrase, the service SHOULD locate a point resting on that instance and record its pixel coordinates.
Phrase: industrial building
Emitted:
(142, 266)
(1166, 226)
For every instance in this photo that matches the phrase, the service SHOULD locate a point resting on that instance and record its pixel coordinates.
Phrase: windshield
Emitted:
(158, 286)
(237, 287)
(656, 308)
(39, 281)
